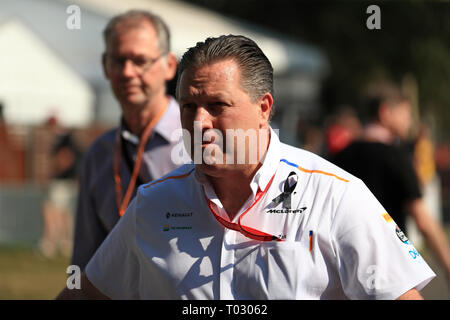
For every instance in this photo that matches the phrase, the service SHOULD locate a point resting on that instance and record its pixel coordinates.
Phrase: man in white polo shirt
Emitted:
(252, 220)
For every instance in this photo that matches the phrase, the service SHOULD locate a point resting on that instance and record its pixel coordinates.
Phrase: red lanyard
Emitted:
(122, 204)
(246, 231)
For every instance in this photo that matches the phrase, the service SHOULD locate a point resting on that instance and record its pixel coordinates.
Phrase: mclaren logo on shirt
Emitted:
(285, 197)
(301, 210)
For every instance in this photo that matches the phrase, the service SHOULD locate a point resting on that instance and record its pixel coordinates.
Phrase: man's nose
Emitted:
(128, 69)
(203, 118)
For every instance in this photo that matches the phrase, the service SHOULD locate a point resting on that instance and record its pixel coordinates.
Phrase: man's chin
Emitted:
(133, 100)
(131, 97)
(212, 169)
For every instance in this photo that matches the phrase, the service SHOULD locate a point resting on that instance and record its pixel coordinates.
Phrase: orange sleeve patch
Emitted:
(387, 217)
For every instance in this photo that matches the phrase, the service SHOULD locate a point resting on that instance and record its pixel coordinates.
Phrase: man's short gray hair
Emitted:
(256, 70)
(134, 19)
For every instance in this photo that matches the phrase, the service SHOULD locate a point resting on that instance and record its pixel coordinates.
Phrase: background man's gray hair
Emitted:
(133, 19)
(256, 70)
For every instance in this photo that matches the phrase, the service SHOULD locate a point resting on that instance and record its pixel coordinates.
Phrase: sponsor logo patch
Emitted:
(168, 227)
(300, 210)
(179, 214)
(387, 217)
(401, 235)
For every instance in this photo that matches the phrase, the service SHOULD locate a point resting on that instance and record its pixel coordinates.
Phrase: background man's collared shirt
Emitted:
(97, 211)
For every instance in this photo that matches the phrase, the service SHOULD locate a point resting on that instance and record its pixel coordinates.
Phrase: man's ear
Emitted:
(266, 103)
(171, 66)
(105, 69)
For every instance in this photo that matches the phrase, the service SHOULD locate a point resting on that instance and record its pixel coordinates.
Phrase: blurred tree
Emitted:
(414, 39)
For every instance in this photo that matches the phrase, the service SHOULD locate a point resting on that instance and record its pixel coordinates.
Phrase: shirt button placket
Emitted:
(227, 264)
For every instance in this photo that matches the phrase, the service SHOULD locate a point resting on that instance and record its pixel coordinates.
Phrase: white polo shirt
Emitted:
(336, 240)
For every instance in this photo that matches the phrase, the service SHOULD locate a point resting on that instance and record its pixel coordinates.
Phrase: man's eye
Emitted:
(188, 106)
(218, 104)
(118, 60)
(139, 62)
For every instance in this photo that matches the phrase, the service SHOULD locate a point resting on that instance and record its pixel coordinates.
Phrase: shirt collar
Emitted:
(164, 127)
(170, 121)
(261, 178)
(270, 163)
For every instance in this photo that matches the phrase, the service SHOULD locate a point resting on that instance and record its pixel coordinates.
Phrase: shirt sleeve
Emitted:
(114, 269)
(375, 259)
(89, 232)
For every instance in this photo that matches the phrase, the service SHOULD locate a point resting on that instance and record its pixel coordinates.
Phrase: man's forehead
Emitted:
(210, 73)
(133, 25)
(143, 30)
(403, 105)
